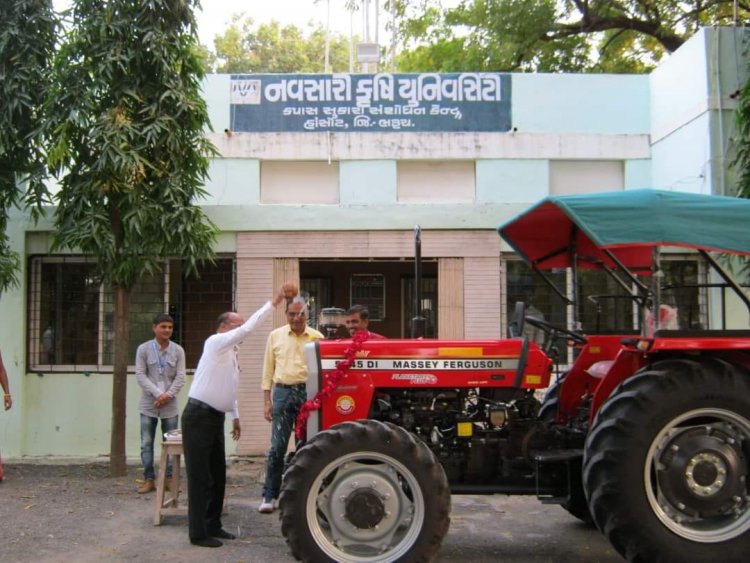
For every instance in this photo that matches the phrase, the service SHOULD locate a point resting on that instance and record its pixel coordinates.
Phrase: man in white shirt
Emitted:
(212, 394)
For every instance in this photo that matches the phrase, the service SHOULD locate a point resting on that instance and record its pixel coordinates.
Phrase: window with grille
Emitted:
(524, 284)
(428, 306)
(71, 313)
(369, 290)
(604, 307)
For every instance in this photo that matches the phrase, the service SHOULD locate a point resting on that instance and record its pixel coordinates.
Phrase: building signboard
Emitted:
(427, 102)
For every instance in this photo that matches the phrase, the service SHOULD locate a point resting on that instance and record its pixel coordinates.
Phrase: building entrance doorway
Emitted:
(384, 286)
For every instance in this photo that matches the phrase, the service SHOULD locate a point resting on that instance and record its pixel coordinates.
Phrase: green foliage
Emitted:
(27, 38)
(550, 35)
(270, 47)
(208, 58)
(627, 53)
(489, 36)
(741, 162)
(130, 148)
(130, 144)
(10, 264)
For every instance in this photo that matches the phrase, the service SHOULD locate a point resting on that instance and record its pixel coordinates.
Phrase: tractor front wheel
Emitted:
(364, 491)
(666, 463)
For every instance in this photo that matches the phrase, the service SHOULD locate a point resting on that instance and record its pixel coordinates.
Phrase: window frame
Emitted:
(163, 297)
(36, 263)
(701, 296)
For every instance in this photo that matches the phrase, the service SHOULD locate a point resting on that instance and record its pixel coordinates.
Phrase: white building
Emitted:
(299, 195)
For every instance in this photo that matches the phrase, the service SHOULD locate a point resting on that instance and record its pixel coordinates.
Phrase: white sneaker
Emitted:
(266, 506)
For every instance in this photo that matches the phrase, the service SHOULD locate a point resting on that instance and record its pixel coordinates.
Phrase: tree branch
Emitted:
(593, 19)
(671, 40)
(611, 39)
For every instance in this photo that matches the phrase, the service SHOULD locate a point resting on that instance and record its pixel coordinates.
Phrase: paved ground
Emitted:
(52, 513)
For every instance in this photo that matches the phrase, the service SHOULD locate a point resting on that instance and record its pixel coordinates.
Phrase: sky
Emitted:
(216, 14)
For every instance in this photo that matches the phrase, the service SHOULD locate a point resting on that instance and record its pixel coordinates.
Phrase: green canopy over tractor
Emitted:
(627, 224)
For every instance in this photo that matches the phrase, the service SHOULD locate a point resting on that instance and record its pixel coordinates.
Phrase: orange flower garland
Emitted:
(342, 369)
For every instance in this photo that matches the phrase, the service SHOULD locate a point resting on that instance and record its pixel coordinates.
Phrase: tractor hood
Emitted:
(628, 224)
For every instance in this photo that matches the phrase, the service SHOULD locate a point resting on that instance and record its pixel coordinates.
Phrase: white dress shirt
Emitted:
(217, 376)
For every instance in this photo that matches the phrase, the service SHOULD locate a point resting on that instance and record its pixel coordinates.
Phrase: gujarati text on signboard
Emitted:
(383, 102)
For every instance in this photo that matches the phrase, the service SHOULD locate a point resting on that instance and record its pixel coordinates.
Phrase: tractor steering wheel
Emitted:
(553, 331)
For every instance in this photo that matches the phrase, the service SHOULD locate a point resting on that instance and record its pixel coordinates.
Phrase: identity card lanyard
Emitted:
(162, 362)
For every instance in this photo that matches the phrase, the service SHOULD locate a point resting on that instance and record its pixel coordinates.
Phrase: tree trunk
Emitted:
(117, 457)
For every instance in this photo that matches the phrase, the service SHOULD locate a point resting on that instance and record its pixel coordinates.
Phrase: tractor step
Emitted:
(552, 500)
(557, 456)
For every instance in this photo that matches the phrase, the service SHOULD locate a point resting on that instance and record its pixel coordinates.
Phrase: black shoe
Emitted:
(223, 534)
(207, 542)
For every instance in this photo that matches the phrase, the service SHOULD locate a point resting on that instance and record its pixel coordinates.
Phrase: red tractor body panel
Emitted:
(607, 360)
(425, 363)
(581, 379)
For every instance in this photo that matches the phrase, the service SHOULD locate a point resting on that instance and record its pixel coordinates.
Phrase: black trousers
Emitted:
(206, 468)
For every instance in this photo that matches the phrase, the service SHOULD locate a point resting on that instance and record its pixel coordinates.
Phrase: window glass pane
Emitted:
(71, 317)
(524, 284)
(67, 314)
(680, 291)
(369, 290)
(197, 300)
(605, 307)
(146, 301)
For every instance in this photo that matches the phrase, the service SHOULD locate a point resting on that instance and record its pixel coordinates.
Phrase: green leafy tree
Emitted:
(551, 35)
(131, 152)
(27, 40)
(271, 47)
(741, 161)
(208, 58)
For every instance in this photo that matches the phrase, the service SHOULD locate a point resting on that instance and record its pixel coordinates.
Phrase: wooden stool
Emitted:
(170, 505)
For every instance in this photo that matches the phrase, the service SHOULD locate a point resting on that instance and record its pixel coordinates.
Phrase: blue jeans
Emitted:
(148, 431)
(286, 405)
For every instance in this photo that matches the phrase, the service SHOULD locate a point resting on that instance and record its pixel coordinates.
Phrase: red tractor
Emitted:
(647, 434)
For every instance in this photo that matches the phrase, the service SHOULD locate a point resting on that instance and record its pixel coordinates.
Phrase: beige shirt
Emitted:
(284, 361)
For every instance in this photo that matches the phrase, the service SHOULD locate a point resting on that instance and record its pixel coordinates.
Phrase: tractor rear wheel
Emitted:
(364, 491)
(666, 463)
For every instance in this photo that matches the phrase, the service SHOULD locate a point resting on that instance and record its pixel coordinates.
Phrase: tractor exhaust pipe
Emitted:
(418, 323)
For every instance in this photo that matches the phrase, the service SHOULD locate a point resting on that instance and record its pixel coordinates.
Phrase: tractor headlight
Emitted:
(498, 416)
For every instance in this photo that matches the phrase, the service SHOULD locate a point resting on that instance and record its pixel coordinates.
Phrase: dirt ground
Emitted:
(51, 513)
(63, 513)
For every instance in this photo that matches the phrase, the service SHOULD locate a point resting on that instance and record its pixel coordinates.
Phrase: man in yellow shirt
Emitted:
(284, 369)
